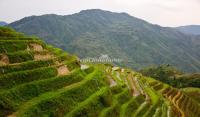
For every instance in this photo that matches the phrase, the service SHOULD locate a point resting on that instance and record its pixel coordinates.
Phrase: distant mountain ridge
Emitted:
(2, 23)
(190, 29)
(91, 33)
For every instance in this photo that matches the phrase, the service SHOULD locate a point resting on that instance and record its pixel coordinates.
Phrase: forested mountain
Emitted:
(190, 29)
(91, 33)
(2, 23)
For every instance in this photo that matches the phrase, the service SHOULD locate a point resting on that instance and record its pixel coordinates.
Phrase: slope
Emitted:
(118, 35)
(38, 80)
(190, 29)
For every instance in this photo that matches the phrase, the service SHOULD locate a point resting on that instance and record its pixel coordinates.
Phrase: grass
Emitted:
(93, 105)
(165, 110)
(53, 103)
(152, 94)
(193, 93)
(12, 79)
(158, 112)
(11, 99)
(141, 110)
(158, 86)
(118, 100)
(115, 76)
(11, 46)
(11, 34)
(131, 106)
(25, 66)
(18, 38)
(152, 110)
(21, 56)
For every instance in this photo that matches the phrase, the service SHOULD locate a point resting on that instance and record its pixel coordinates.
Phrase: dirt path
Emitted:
(4, 60)
(36, 47)
(111, 81)
(42, 57)
(63, 70)
(132, 83)
(13, 115)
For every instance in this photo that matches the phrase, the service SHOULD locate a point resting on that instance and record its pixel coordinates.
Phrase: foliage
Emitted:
(16, 78)
(91, 33)
(172, 76)
(33, 89)
(25, 66)
(193, 93)
(30, 87)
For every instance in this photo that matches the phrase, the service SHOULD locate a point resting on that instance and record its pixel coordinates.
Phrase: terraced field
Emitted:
(38, 80)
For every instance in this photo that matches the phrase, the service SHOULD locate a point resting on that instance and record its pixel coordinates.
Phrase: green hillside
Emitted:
(38, 80)
(172, 76)
(118, 35)
(193, 93)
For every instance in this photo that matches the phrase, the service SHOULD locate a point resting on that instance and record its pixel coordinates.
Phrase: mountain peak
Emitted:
(111, 33)
(93, 11)
(100, 11)
(2, 23)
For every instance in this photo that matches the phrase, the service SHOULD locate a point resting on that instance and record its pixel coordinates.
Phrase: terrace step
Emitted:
(131, 106)
(180, 100)
(158, 112)
(153, 83)
(172, 94)
(29, 65)
(18, 38)
(10, 34)
(177, 96)
(117, 101)
(131, 82)
(12, 79)
(24, 56)
(152, 110)
(93, 105)
(67, 96)
(158, 86)
(165, 110)
(11, 99)
(7, 46)
(141, 110)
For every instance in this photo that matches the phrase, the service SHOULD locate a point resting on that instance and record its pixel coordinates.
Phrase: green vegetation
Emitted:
(7, 46)
(130, 107)
(25, 66)
(193, 93)
(27, 91)
(172, 76)
(16, 78)
(93, 105)
(138, 43)
(57, 86)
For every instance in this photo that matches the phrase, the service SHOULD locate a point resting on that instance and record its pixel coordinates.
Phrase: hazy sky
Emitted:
(162, 12)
